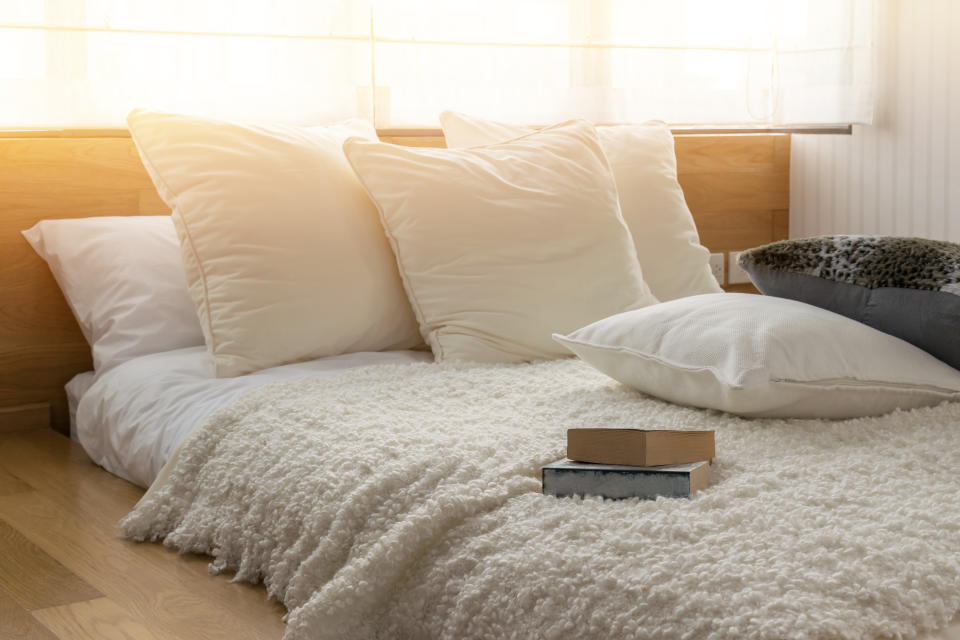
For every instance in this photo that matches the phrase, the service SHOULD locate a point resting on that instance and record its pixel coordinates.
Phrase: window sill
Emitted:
(679, 130)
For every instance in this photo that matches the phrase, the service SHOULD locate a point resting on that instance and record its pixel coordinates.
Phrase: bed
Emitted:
(737, 187)
(414, 527)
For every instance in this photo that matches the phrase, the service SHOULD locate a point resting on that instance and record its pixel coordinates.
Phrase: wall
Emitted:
(901, 175)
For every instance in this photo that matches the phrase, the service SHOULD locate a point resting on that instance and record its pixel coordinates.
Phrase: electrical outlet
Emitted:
(736, 275)
(718, 267)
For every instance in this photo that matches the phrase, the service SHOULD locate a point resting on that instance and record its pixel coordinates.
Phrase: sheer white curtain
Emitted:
(85, 63)
(684, 61)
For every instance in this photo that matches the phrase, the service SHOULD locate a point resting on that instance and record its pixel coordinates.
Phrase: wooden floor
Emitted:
(65, 573)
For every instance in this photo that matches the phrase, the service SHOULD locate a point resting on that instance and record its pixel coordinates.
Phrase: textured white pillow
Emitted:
(284, 254)
(123, 279)
(501, 246)
(674, 262)
(763, 356)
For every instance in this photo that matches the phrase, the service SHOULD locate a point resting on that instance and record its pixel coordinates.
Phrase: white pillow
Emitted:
(285, 258)
(763, 356)
(123, 279)
(674, 262)
(500, 246)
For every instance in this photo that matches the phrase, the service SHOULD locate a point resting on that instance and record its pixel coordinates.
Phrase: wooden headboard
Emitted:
(736, 185)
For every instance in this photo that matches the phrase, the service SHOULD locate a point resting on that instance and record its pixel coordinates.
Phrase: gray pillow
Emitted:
(907, 287)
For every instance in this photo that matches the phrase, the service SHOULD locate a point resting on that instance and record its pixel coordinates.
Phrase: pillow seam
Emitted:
(872, 385)
(407, 285)
(910, 387)
(645, 356)
(175, 197)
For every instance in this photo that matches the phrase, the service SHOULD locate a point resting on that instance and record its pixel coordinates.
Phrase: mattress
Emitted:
(134, 416)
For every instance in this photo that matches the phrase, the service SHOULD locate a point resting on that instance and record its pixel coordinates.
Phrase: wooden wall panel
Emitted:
(41, 346)
(738, 188)
(736, 185)
(24, 417)
(416, 141)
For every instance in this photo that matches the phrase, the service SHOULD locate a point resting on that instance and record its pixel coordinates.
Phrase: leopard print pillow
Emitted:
(867, 261)
(907, 287)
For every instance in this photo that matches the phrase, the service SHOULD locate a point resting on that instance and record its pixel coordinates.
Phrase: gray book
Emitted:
(568, 478)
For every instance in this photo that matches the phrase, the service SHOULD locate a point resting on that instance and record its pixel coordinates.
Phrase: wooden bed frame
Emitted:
(736, 185)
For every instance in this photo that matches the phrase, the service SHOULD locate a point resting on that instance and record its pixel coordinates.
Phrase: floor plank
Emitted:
(59, 469)
(33, 578)
(10, 484)
(72, 516)
(100, 619)
(16, 623)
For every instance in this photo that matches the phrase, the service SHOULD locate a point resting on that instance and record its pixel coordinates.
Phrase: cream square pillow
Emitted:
(284, 254)
(501, 246)
(644, 164)
(763, 356)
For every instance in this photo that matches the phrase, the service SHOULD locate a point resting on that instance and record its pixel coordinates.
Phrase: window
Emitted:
(86, 63)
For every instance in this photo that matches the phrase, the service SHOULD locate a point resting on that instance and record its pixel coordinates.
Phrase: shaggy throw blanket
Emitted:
(403, 502)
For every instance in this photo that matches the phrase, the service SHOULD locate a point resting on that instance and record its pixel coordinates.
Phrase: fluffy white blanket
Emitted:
(403, 502)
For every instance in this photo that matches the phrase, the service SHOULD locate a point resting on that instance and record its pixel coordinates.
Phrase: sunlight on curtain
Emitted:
(684, 61)
(91, 61)
(85, 63)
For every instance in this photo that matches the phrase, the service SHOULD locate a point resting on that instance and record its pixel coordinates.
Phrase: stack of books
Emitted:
(631, 463)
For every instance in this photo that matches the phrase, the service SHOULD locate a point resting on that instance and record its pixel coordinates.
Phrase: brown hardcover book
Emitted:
(639, 447)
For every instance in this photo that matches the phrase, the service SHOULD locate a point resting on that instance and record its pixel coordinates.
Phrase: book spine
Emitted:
(617, 448)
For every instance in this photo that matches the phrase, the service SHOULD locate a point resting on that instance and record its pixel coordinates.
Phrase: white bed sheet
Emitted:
(135, 415)
(76, 388)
